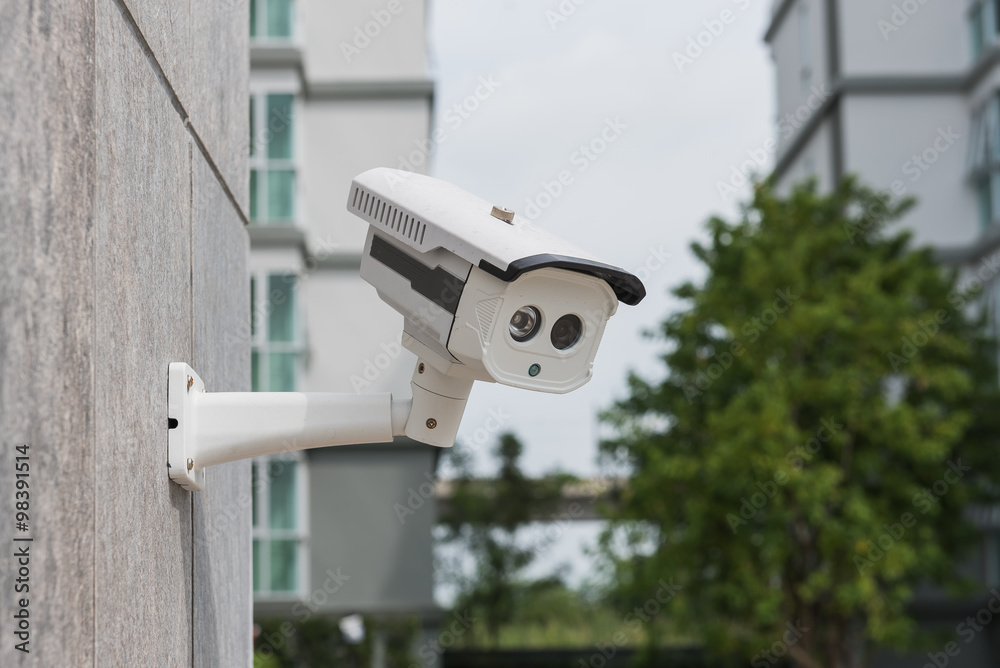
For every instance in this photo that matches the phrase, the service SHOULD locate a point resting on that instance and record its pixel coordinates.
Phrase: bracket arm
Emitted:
(209, 428)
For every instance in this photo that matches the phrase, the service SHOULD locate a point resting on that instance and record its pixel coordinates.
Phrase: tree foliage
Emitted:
(827, 416)
(318, 641)
(485, 520)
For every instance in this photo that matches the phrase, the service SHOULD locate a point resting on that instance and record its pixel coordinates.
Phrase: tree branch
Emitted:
(847, 457)
(803, 658)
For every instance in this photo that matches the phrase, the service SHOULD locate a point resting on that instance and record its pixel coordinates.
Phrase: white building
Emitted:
(336, 88)
(904, 93)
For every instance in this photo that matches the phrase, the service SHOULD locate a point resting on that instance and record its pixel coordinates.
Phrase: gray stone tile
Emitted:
(166, 27)
(142, 308)
(221, 325)
(47, 326)
(97, 190)
(219, 79)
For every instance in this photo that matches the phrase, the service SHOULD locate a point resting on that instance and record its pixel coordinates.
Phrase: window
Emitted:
(271, 19)
(991, 558)
(984, 161)
(809, 165)
(279, 525)
(993, 319)
(805, 48)
(277, 344)
(272, 163)
(279, 481)
(984, 26)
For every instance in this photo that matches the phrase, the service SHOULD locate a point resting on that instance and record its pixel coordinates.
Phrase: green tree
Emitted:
(485, 519)
(828, 414)
(318, 641)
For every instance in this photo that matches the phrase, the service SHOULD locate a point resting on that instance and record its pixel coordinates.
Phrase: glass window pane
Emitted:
(281, 372)
(994, 197)
(279, 126)
(976, 25)
(977, 145)
(993, 558)
(281, 194)
(254, 32)
(279, 18)
(254, 374)
(253, 194)
(253, 121)
(281, 475)
(253, 306)
(284, 565)
(805, 35)
(257, 566)
(254, 481)
(992, 120)
(985, 12)
(281, 303)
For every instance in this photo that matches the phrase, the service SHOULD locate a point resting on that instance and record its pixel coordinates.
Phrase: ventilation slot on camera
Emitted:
(377, 211)
(486, 313)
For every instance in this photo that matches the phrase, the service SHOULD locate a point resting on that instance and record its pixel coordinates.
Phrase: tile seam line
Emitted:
(191, 495)
(178, 105)
(95, 250)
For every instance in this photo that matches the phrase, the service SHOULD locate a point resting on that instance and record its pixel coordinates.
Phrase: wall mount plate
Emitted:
(183, 386)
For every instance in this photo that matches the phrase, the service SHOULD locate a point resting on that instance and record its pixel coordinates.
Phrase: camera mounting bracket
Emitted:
(207, 428)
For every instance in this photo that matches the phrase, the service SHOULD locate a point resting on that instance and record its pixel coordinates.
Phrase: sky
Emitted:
(523, 87)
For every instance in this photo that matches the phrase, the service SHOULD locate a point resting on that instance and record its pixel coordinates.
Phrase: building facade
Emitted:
(335, 89)
(906, 94)
(901, 93)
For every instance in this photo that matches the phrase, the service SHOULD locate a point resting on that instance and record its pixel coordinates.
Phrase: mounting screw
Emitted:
(190, 382)
(431, 423)
(420, 369)
(190, 464)
(506, 215)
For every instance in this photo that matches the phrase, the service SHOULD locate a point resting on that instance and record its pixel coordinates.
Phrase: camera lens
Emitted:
(566, 331)
(524, 323)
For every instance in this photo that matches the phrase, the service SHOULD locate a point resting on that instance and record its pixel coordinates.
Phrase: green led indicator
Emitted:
(534, 370)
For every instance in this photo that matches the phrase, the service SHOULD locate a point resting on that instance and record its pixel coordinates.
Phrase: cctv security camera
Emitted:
(484, 294)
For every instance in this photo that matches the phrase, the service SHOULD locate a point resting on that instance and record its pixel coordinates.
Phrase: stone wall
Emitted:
(123, 192)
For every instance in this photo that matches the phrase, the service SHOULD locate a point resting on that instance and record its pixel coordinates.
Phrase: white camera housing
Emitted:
(484, 296)
(458, 269)
(458, 274)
